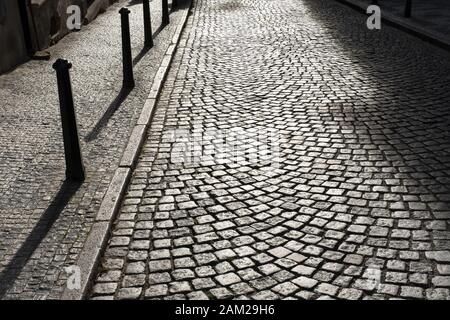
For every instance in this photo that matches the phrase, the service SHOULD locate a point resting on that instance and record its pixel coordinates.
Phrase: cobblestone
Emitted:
(358, 205)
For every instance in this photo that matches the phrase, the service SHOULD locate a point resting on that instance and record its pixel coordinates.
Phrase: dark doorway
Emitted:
(23, 9)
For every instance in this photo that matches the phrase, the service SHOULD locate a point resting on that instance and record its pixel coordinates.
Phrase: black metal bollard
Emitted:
(165, 12)
(148, 42)
(128, 78)
(408, 8)
(74, 160)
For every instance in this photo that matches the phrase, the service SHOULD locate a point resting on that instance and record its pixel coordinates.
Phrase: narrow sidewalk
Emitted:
(44, 221)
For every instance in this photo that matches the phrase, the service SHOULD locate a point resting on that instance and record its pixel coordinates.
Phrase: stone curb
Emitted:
(97, 239)
(404, 25)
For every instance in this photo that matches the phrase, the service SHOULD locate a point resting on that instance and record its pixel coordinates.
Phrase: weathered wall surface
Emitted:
(12, 43)
(47, 20)
(50, 17)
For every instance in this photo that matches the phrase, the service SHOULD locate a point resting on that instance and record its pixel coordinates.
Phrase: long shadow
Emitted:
(134, 3)
(141, 55)
(123, 94)
(137, 2)
(144, 50)
(40, 230)
(406, 75)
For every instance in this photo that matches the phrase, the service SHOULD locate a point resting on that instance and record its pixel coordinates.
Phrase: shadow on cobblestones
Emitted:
(145, 49)
(20, 259)
(121, 97)
(404, 112)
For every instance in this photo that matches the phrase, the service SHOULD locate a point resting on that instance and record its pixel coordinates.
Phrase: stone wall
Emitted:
(50, 16)
(12, 49)
(48, 20)
(47, 25)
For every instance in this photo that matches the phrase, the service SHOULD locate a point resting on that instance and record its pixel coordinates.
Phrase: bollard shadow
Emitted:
(174, 8)
(145, 50)
(121, 97)
(141, 55)
(123, 94)
(134, 3)
(40, 230)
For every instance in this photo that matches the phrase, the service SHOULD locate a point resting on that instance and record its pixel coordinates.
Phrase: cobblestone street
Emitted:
(359, 205)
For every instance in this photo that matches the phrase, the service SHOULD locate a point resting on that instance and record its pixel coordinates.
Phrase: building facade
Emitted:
(27, 26)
